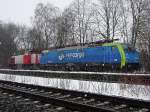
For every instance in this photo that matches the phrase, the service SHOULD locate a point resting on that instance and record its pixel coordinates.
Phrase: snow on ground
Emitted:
(124, 90)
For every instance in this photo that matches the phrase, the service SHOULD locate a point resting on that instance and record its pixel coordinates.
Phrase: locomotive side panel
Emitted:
(99, 55)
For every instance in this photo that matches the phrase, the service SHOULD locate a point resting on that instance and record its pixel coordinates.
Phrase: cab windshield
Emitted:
(128, 47)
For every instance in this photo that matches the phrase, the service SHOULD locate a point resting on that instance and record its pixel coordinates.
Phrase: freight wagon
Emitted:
(25, 61)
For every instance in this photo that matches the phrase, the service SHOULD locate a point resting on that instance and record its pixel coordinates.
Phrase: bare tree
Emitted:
(83, 14)
(22, 41)
(70, 26)
(108, 18)
(125, 20)
(62, 31)
(143, 39)
(35, 38)
(66, 28)
(137, 8)
(45, 22)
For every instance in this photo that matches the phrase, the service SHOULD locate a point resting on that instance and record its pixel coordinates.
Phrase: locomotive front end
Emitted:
(132, 57)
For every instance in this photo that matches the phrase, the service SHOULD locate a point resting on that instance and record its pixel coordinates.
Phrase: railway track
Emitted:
(15, 103)
(75, 101)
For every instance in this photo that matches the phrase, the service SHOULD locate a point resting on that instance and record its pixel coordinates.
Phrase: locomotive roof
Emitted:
(84, 45)
(75, 46)
(81, 47)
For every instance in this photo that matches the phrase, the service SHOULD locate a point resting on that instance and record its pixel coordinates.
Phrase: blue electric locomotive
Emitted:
(106, 56)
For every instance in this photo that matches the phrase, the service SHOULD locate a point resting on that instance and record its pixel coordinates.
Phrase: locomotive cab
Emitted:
(132, 56)
(127, 55)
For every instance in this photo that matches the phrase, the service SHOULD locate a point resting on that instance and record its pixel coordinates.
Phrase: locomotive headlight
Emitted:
(115, 59)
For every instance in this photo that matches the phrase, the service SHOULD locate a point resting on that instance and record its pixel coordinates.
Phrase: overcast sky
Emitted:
(20, 11)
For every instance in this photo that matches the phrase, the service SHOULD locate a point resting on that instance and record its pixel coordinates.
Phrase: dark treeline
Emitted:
(7, 45)
(81, 22)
